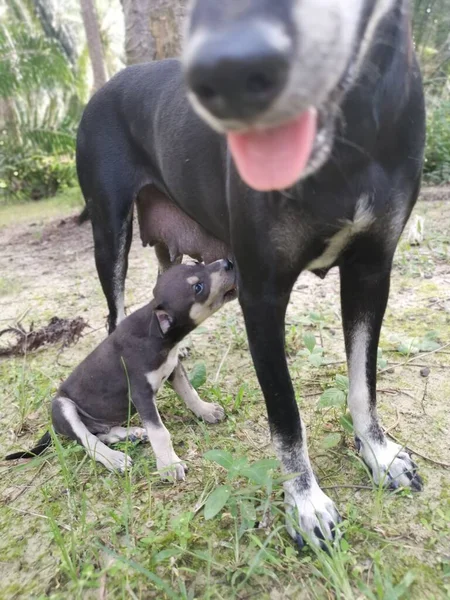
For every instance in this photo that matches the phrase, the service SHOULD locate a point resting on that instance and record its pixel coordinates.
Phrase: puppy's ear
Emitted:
(165, 321)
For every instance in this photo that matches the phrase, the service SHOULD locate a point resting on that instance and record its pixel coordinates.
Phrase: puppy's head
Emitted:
(186, 295)
(271, 74)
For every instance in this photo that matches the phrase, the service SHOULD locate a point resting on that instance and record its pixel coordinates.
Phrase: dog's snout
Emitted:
(238, 75)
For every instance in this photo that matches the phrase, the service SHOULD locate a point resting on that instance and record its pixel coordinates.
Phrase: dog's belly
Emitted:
(162, 222)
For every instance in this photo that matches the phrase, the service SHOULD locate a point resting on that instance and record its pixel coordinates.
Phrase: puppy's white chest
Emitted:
(157, 377)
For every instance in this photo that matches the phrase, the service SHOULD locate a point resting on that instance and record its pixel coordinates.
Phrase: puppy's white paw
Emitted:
(137, 434)
(211, 413)
(116, 461)
(389, 464)
(313, 512)
(171, 469)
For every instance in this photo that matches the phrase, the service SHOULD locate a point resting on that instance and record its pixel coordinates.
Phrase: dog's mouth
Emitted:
(276, 157)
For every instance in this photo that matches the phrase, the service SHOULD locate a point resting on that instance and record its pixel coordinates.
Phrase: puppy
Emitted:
(124, 373)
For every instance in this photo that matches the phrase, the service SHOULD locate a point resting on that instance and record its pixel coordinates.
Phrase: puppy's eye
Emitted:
(198, 288)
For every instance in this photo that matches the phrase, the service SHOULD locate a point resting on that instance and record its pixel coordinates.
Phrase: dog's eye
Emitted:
(198, 288)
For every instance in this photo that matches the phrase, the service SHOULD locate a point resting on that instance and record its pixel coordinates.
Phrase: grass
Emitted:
(72, 530)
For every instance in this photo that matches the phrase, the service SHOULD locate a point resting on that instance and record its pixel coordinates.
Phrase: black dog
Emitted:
(93, 403)
(321, 99)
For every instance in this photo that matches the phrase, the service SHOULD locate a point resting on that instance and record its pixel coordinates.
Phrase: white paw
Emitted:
(137, 434)
(116, 461)
(389, 464)
(171, 469)
(211, 413)
(311, 511)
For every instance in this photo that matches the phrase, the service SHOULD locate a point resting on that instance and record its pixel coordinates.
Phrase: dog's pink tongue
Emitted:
(275, 158)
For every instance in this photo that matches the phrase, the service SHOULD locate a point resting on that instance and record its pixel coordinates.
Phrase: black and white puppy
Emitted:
(133, 363)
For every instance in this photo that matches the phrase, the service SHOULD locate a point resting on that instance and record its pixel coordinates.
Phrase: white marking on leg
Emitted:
(167, 462)
(158, 376)
(388, 462)
(111, 459)
(119, 271)
(209, 412)
(359, 394)
(307, 506)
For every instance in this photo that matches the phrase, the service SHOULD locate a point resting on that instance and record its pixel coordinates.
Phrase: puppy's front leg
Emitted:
(209, 412)
(167, 462)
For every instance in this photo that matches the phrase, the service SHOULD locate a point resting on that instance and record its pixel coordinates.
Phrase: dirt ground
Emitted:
(47, 269)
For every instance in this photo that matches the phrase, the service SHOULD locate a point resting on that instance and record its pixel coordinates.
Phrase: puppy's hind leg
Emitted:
(66, 421)
(121, 434)
(209, 412)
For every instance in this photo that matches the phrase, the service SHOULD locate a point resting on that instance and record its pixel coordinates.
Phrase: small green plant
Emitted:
(313, 352)
(245, 500)
(335, 396)
(427, 343)
(381, 360)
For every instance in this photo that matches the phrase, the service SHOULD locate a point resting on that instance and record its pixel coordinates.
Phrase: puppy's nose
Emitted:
(238, 74)
(229, 266)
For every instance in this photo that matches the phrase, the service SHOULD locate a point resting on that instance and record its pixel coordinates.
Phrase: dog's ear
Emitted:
(165, 320)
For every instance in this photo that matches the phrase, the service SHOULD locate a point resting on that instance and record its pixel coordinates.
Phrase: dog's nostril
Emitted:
(259, 83)
(204, 92)
(229, 265)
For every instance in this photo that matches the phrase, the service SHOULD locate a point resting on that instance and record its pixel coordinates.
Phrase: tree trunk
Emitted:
(94, 42)
(153, 29)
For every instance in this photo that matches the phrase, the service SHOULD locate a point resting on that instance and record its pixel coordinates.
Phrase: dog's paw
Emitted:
(211, 413)
(137, 434)
(116, 461)
(311, 516)
(389, 464)
(171, 469)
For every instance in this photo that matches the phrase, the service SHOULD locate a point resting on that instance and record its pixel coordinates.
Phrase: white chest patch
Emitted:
(336, 245)
(157, 377)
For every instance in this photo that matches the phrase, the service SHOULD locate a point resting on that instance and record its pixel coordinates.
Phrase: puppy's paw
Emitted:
(137, 434)
(171, 469)
(389, 464)
(116, 461)
(211, 413)
(311, 515)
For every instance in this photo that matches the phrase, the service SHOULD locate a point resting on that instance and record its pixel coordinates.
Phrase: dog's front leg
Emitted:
(168, 463)
(364, 295)
(311, 514)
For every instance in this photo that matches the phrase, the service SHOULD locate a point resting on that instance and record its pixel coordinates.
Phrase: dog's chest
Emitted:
(157, 377)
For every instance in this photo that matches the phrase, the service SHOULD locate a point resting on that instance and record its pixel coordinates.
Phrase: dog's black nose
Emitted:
(229, 265)
(239, 74)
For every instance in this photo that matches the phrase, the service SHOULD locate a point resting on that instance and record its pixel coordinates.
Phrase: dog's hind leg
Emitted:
(364, 295)
(121, 434)
(209, 412)
(67, 422)
(112, 240)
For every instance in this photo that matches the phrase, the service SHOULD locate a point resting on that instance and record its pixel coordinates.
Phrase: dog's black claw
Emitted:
(318, 533)
(358, 443)
(333, 530)
(300, 541)
(417, 483)
(132, 438)
(325, 547)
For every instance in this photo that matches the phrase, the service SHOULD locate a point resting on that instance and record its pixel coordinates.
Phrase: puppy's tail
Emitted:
(42, 444)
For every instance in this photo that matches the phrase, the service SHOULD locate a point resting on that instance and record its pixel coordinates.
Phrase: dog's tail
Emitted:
(42, 444)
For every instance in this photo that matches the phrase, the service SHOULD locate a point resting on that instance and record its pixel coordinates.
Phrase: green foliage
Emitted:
(39, 93)
(437, 154)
